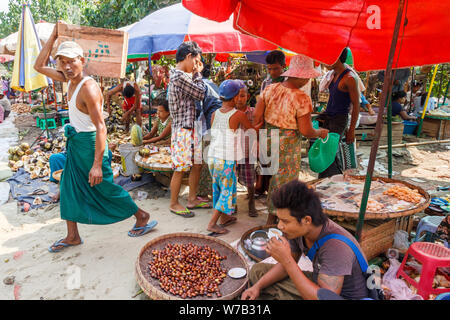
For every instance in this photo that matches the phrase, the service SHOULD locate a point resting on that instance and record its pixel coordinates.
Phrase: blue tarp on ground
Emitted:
(23, 187)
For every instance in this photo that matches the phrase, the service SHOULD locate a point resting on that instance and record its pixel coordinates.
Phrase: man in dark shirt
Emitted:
(302, 221)
(343, 92)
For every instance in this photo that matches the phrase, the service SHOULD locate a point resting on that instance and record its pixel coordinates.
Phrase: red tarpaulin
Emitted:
(321, 29)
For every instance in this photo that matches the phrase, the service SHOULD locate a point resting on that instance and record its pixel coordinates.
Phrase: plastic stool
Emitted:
(430, 224)
(432, 256)
(51, 123)
(64, 121)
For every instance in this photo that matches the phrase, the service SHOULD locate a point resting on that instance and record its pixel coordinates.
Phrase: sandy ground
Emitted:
(104, 263)
(104, 266)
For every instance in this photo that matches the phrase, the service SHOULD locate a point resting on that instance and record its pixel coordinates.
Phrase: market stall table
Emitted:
(436, 126)
(385, 212)
(159, 162)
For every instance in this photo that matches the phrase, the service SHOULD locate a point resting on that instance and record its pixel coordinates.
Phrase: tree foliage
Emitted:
(440, 81)
(111, 14)
(114, 14)
(71, 11)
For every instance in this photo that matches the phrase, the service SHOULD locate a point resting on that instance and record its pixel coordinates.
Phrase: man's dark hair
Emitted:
(398, 95)
(161, 101)
(128, 91)
(300, 200)
(343, 55)
(417, 83)
(276, 56)
(206, 71)
(185, 48)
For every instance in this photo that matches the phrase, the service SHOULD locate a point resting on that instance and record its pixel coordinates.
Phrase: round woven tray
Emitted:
(381, 215)
(230, 288)
(139, 160)
(247, 234)
(57, 175)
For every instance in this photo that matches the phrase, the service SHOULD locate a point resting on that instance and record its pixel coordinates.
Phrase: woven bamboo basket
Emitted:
(230, 288)
(57, 175)
(139, 160)
(382, 215)
(247, 234)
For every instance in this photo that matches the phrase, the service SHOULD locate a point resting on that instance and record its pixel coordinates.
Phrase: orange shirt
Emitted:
(285, 105)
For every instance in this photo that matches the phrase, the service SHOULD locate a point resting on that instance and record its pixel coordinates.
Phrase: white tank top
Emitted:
(80, 121)
(225, 142)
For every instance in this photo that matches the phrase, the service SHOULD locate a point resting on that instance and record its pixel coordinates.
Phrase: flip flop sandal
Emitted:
(252, 214)
(201, 205)
(60, 243)
(145, 229)
(229, 222)
(217, 234)
(184, 213)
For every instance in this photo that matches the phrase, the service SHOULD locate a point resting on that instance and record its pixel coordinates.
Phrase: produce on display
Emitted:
(337, 193)
(404, 193)
(152, 155)
(20, 108)
(35, 162)
(136, 135)
(112, 122)
(188, 270)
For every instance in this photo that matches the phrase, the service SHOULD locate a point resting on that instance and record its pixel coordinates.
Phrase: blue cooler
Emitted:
(409, 127)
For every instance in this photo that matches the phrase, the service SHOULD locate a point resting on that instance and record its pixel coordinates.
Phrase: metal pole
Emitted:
(149, 92)
(412, 84)
(45, 114)
(379, 126)
(389, 133)
(426, 101)
(446, 92)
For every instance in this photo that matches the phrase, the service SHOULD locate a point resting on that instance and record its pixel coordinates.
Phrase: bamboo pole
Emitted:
(426, 101)
(379, 126)
(411, 144)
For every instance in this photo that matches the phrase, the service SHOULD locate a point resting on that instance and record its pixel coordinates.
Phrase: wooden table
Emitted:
(436, 126)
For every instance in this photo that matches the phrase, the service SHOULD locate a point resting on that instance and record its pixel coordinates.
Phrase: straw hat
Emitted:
(301, 67)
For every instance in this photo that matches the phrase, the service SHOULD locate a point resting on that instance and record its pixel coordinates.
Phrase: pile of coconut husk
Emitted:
(35, 161)
(113, 123)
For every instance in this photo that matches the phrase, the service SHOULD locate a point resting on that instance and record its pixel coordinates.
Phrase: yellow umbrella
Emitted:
(24, 77)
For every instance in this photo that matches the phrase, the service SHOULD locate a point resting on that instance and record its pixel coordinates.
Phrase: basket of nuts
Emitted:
(189, 266)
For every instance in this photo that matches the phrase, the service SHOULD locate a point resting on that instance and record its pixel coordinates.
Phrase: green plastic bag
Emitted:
(323, 152)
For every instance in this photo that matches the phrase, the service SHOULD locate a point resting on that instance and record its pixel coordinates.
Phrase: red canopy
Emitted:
(320, 29)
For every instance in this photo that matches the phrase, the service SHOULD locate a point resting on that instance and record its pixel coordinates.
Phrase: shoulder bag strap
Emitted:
(362, 262)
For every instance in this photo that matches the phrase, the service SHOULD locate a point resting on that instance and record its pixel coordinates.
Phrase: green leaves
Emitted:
(111, 14)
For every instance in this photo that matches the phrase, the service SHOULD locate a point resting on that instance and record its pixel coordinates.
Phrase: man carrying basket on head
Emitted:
(88, 193)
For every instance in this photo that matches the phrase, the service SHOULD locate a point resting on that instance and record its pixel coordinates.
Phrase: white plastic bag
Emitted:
(4, 192)
(401, 240)
(398, 287)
